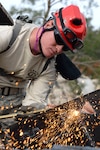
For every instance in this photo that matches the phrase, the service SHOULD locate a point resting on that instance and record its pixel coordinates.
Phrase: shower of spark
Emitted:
(63, 125)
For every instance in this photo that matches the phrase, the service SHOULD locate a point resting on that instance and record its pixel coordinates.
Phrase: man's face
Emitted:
(49, 45)
(48, 42)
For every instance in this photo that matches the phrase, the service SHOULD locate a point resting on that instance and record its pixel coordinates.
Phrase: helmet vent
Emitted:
(77, 21)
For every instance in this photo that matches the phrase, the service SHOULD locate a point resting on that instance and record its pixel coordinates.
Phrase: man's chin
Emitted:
(48, 56)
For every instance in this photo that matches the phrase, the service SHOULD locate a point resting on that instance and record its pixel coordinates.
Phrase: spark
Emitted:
(63, 125)
(21, 133)
(12, 72)
(16, 83)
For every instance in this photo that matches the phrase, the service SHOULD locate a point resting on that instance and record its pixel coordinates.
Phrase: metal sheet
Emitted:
(61, 126)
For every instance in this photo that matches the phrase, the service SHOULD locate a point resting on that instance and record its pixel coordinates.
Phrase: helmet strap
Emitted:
(44, 30)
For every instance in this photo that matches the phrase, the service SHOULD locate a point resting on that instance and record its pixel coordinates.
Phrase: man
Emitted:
(28, 64)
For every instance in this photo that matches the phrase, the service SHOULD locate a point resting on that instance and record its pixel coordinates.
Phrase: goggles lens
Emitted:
(71, 37)
(78, 44)
(58, 39)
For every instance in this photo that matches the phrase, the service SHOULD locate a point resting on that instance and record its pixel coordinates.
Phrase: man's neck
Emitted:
(34, 41)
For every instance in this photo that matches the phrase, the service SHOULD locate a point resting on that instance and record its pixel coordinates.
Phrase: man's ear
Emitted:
(49, 24)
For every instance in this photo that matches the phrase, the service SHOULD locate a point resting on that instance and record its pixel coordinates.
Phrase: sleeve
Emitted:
(5, 36)
(39, 89)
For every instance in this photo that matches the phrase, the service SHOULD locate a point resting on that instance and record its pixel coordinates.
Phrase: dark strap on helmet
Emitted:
(61, 19)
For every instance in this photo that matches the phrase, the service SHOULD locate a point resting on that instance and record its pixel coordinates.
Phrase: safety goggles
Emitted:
(70, 36)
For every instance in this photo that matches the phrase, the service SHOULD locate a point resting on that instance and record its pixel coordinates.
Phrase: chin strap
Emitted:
(44, 30)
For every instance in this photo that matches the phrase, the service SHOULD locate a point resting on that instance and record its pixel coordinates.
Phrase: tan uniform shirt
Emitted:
(24, 67)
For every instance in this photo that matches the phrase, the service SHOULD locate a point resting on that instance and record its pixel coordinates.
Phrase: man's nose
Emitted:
(59, 48)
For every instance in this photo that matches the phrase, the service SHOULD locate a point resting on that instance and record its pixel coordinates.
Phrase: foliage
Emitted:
(40, 15)
(89, 56)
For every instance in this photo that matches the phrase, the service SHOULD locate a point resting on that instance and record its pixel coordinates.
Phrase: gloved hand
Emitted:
(87, 108)
(50, 106)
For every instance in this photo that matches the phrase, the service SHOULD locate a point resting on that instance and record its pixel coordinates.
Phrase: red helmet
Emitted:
(70, 27)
